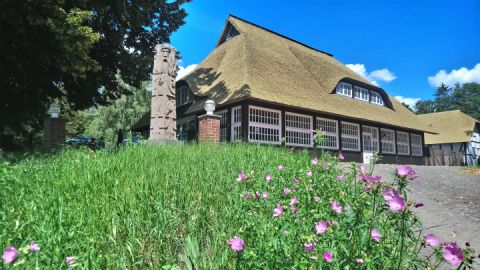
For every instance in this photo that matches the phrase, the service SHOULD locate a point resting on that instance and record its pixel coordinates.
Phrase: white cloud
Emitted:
(376, 76)
(182, 71)
(409, 101)
(461, 76)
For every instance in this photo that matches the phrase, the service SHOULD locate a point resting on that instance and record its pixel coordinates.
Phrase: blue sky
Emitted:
(397, 44)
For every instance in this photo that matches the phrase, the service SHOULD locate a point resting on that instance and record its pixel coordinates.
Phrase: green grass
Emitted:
(176, 206)
(130, 209)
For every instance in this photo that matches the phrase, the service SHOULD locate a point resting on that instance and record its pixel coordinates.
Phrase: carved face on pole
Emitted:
(165, 54)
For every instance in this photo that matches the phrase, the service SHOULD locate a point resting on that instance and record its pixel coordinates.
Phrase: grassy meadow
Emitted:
(175, 207)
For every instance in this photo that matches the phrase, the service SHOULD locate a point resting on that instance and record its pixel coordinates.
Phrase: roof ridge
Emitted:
(280, 35)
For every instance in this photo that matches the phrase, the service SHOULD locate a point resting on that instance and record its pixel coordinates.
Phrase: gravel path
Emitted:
(451, 198)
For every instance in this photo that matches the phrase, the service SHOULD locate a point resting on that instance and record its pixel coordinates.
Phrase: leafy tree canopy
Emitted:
(464, 97)
(65, 51)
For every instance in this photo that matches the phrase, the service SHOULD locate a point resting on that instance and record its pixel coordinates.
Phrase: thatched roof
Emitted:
(264, 65)
(451, 126)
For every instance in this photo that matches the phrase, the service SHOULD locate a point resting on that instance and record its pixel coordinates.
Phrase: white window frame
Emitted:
(375, 141)
(415, 146)
(403, 143)
(361, 93)
(257, 125)
(349, 136)
(374, 96)
(236, 124)
(304, 131)
(392, 141)
(344, 89)
(328, 133)
(223, 124)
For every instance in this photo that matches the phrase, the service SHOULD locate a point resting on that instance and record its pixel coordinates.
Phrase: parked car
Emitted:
(78, 140)
(136, 139)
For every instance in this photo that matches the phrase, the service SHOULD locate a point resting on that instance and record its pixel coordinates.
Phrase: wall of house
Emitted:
(473, 150)
(278, 132)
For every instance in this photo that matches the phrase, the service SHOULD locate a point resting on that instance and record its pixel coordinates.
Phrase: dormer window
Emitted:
(231, 33)
(361, 93)
(344, 89)
(376, 98)
(184, 95)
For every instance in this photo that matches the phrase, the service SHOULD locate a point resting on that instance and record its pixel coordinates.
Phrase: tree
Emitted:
(443, 99)
(122, 113)
(467, 99)
(424, 106)
(65, 51)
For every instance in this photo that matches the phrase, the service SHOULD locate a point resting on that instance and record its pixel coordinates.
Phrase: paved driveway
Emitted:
(451, 198)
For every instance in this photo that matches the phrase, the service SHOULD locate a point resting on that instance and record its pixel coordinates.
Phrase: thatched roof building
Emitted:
(253, 68)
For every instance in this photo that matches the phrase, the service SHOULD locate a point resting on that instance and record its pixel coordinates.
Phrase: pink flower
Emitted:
(321, 227)
(236, 243)
(71, 261)
(294, 188)
(309, 174)
(340, 156)
(362, 170)
(375, 235)
(294, 180)
(336, 207)
(257, 194)
(368, 187)
(34, 247)
(325, 166)
(413, 174)
(248, 196)
(293, 201)
(265, 194)
(360, 261)
(371, 179)
(9, 255)
(403, 170)
(269, 177)
(281, 167)
(308, 247)
(452, 253)
(431, 240)
(340, 177)
(240, 177)
(394, 200)
(286, 191)
(294, 210)
(278, 211)
(328, 257)
(315, 161)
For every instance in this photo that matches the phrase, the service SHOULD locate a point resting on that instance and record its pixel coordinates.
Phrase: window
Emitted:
(403, 143)
(361, 93)
(376, 98)
(350, 136)
(344, 89)
(185, 128)
(330, 132)
(417, 147)
(236, 128)
(370, 138)
(264, 125)
(388, 141)
(183, 95)
(298, 130)
(223, 125)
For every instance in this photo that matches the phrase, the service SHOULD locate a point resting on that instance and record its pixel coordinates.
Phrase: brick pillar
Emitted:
(209, 128)
(54, 133)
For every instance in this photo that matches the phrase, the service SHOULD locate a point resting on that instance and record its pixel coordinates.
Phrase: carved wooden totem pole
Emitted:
(163, 118)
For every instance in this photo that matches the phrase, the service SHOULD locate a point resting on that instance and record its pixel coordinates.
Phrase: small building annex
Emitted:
(268, 87)
(455, 132)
